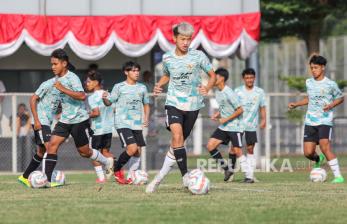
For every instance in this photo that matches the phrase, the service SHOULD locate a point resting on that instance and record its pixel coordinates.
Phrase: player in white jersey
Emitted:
(253, 101)
(230, 127)
(101, 118)
(74, 118)
(182, 70)
(132, 113)
(44, 104)
(323, 96)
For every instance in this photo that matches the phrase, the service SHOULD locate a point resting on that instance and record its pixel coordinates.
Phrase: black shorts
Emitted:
(80, 132)
(251, 137)
(227, 136)
(316, 133)
(185, 118)
(128, 137)
(43, 135)
(102, 141)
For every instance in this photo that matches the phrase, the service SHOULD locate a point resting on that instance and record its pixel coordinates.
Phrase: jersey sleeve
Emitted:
(42, 90)
(114, 94)
(165, 69)
(76, 84)
(262, 99)
(145, 99)
(92, 102)
(233, 98)
(205, 63)
(336, 92)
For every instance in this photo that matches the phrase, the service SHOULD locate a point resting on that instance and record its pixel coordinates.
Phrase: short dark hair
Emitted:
(60, 54)
(318, 60)
(129, 65)
(223, 72)
(248, 71)
(94, 75)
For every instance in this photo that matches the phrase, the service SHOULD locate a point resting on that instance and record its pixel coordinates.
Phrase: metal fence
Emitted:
(280, 138)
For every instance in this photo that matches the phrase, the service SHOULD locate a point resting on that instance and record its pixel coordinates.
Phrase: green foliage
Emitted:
(295, 17)
(295, 82)
(295, 115)
(341, 84)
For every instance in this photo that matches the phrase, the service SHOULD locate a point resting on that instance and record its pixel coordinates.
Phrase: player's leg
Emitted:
(311, 138)
(236, 140)
(128, 141)
(41, 138)
(96, 142)
(80, 132)
(50, 159)
(325, 146)
(251, 140)
(169, 162)
(217, 138)
(134, 162)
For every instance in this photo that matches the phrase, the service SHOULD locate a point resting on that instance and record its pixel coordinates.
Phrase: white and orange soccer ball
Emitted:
(58, 177)
(37, 179)
(198, 183)
(318, 175)
(137, 177)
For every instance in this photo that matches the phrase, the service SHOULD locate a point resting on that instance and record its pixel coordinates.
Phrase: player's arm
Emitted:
(262, 117)
(95, 112)
(215, 116)
(211, 82)
(146, 110)
(77, 95)
(158, 87)
(237, 113)
(302, 102)
(336, 102)
(33, 107)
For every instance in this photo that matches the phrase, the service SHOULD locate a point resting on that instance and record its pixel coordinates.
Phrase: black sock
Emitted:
(122, 160)
(313, 157)
(232, 160)
(219, 158)
(181, 159)
(50, 162)
(35, 162)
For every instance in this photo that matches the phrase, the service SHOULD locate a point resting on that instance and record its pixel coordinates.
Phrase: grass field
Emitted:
(278, 198)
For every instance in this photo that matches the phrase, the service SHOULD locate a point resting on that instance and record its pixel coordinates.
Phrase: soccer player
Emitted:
(74, 119)
(132, 113)
(230, 128)
(253, 101)
(182, 69)
(43, 104)
(323, 96)
(101, 118)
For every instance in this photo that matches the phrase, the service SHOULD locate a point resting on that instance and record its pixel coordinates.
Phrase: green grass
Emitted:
(278, 198)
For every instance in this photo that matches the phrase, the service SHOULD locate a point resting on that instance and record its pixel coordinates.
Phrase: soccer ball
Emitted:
(58, 177)
(37, 179)
(198, 183)
(318, 175)
(138, 177)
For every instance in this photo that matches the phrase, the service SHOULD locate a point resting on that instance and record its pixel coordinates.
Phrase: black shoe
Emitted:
(228, 174)
(248, 181)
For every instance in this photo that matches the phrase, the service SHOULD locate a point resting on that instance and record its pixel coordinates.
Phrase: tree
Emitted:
(302, 18)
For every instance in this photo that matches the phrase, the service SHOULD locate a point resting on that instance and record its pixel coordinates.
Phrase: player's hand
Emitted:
(262, 124)
(37, 125)
(105, 95)
(157, 89)
(58, 86)
(203, 90)
(327, 107)
(291, 105)
(215, 116)
(223, 120)
(145, 123)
